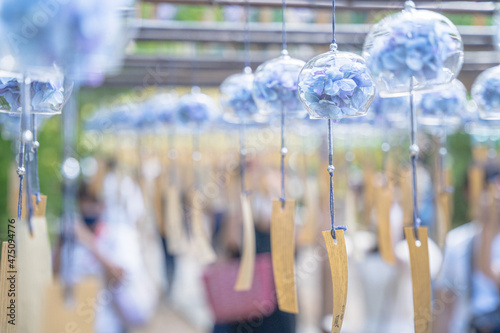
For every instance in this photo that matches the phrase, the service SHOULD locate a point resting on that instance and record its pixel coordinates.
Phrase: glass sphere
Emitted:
(444, 106)
(486, 93)
(391, 111)
(335, 85)
(196, 108)
(48, 93)
(160, 108)
(236, 98)
(275, 86)
(417, 48)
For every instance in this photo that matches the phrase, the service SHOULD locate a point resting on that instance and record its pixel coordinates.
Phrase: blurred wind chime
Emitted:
(414, 50)
(239, 108)
(275, 92)
(334, 85)
(196, 110)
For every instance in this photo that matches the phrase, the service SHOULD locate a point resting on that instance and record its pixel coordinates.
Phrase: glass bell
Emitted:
(335, 85)
(275, 86)
(196, 108)
(413, 49)
(486, 93)
(443, 107)
(49, 91)
(237, 100)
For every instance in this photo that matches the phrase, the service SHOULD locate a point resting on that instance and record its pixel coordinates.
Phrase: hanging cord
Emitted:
(331, 170)
(172, 156)
(247, 34)
(196, 157)
(283, 29)
(283, 151)
(334, 42)
(414, 150)
(243, 154)
(35, 146)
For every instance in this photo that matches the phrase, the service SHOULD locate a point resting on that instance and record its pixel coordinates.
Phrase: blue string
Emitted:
(20, 200)
(331, 170)
(284, 25)
(413, 157)
(283, 154)
(333, 22)
(242, 159)
(247, 34)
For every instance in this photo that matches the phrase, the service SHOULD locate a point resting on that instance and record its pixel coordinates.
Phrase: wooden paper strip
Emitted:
(34, 264)
(8, 289)
(307, 234)
(79, 316)
(283, 254)
(443, 213)
(247, 263)
(406, 196)
(174, 227)
(337, 255)
(350, 211)
(200, 241)
(383, 203)
(476, 186)
(480, 154)
(368, 179)
(38, 209)
(420, 277)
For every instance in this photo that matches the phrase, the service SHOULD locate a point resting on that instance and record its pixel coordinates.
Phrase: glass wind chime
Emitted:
(334, 85)
(196, 110)
(414, 50)
(275, 92)
(239, 108)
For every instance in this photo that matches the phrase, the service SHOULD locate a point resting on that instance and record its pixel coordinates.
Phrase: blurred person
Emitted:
(110, 250)
(466, 294)
(265, 186)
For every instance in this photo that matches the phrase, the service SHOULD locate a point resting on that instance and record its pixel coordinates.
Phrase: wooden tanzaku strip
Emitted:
(308, 232)
(38, 209)
(79, 316)
(337, 255)
(476, 185)
(480, 154)
(158, 204)
(174, 227)
(443, 201)
(368, 179)
(34, 265)
(420, 277)
(247, 263)
(383, 203)
(8, 289)
(201, 241)
(406, 196)
(283, 254)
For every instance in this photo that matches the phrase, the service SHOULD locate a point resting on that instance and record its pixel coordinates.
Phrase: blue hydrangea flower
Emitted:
(486, 93)
(444, 106)
(196, 108)
(275, 85)
(46, 97)
(415, 44)
(237, 99)
(336, 85)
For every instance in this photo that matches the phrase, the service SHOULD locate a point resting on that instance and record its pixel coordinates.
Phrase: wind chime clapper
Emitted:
(440, 43)
(334, 85)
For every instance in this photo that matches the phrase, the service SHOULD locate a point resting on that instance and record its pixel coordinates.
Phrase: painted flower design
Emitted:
(336, 85)
(486, 93)
(237, 99)
(275, 85)
(416, 44)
